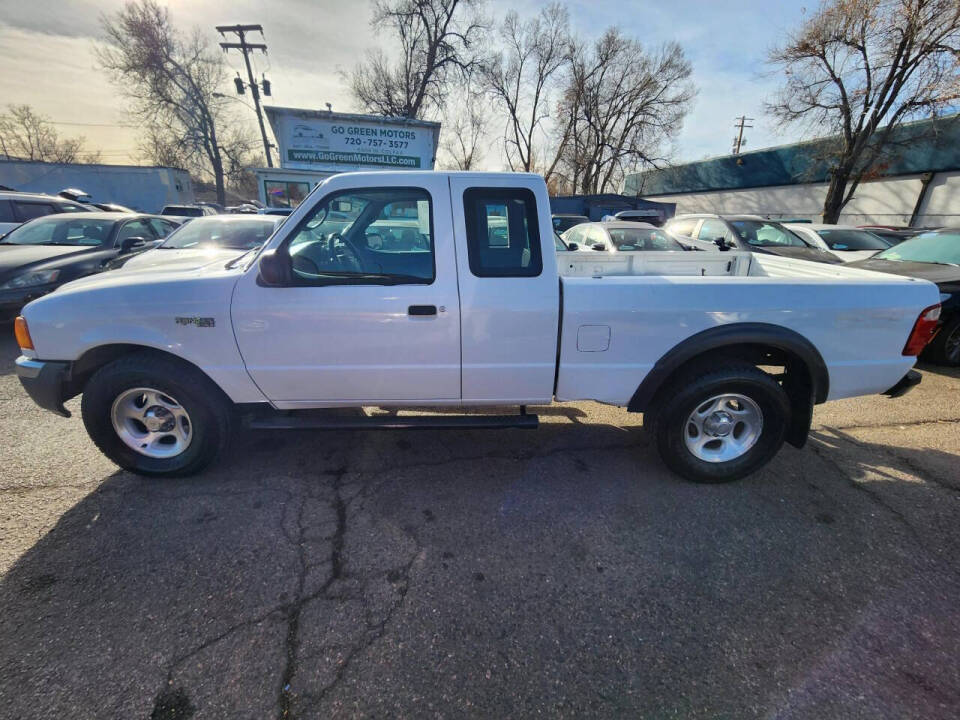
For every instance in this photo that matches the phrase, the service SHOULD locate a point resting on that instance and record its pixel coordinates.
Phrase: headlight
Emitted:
(29, 279)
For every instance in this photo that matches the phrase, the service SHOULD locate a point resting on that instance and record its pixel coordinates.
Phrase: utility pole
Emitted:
(738, 140)
(246, 48)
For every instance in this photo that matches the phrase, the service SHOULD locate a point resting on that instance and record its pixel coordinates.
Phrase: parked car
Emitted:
(205, 240)
(243, 209)
(187, 211)
(726, 368)
(563, 222)
(46, 252)
(275, 211)
(746, 232)
(18, 207)
(845, 241)
(623, 236)
(933, 256)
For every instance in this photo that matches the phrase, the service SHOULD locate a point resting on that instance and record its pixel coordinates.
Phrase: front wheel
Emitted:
(720, 424)
(155, 415)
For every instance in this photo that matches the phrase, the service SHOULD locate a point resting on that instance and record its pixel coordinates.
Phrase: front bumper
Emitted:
(44, 382)
(906, 384)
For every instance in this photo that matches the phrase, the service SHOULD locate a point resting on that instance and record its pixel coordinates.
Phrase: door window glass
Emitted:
(162, 228)
(503, 235)
(137, 228)
(711, 230)
(29, 210)
(377, 236)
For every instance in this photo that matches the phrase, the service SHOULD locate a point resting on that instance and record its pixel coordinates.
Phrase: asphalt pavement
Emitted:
(562, 572)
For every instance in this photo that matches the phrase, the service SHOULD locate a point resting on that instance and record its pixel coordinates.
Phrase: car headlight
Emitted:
(29, 279)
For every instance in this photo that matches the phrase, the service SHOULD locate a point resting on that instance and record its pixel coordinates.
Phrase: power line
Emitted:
(80, 124)
(738, 140)
(246, 48)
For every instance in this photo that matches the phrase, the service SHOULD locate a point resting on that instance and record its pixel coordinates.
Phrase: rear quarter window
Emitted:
(503, 233)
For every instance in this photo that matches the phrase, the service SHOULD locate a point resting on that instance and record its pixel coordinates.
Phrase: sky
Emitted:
(46, 50)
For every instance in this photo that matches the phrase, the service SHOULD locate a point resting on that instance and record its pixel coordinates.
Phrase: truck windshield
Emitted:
(941, 248)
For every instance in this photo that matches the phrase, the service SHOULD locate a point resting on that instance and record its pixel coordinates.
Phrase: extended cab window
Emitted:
(366, 236)
(503, 235)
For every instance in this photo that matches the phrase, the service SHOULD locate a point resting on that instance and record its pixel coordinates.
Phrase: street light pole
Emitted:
(246, 48)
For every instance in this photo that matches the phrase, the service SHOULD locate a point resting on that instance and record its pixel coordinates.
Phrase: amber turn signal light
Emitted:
(22, 334)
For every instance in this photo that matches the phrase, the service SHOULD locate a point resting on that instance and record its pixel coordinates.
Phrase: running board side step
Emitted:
(313, 421)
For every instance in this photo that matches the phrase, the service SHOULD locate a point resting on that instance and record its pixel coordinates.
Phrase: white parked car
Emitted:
(620, 236)
(468, 309)
(847, 242)
(218, 238)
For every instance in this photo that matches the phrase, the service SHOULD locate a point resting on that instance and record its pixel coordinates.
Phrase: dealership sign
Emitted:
(315, 140)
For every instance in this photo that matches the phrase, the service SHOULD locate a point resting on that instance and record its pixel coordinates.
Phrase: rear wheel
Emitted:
(719, 424)
(944, 349)
(155, 415)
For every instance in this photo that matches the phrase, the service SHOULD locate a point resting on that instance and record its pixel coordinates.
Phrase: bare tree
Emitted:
(464, 132)
(438, 40)
(26, 135)
(521, 76)
(621, 105)
(859, 69)
(172, 79)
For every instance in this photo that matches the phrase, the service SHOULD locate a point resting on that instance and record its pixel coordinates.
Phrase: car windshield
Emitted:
(234, 233)
(61, 230)
(852, 240)
(766, 234)
(936, 247)
(625, 239)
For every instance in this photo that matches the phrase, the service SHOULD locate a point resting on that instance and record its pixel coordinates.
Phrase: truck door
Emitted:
(371, 315)
(509, 289)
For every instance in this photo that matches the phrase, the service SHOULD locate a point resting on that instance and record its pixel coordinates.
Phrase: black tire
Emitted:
(691, 390)
(944, 349)
(210, 412)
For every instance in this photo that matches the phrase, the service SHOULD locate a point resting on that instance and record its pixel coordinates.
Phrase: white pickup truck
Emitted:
(426, 289)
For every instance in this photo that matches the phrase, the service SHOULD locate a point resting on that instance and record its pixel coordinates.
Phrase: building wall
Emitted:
(888, 202)
(146, 189)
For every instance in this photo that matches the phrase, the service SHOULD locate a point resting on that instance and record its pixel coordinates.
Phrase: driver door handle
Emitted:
(422, 310)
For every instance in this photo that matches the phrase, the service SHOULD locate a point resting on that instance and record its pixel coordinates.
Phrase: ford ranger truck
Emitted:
(426, 289)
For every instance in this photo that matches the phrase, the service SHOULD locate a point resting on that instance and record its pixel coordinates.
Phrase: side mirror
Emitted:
(598, 246)
(132, 243)
(573, 246)
(722, 244)
(276, 269)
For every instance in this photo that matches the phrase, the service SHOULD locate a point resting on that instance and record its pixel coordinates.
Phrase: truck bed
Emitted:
(621, 313)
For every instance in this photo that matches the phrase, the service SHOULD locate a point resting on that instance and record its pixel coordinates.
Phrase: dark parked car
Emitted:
(42, 254)
(183, 211)
(746, 232)
(563, 222)
(18, 207)
(933, 256)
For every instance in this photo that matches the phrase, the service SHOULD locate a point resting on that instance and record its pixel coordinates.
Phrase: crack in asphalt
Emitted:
(286, 696)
